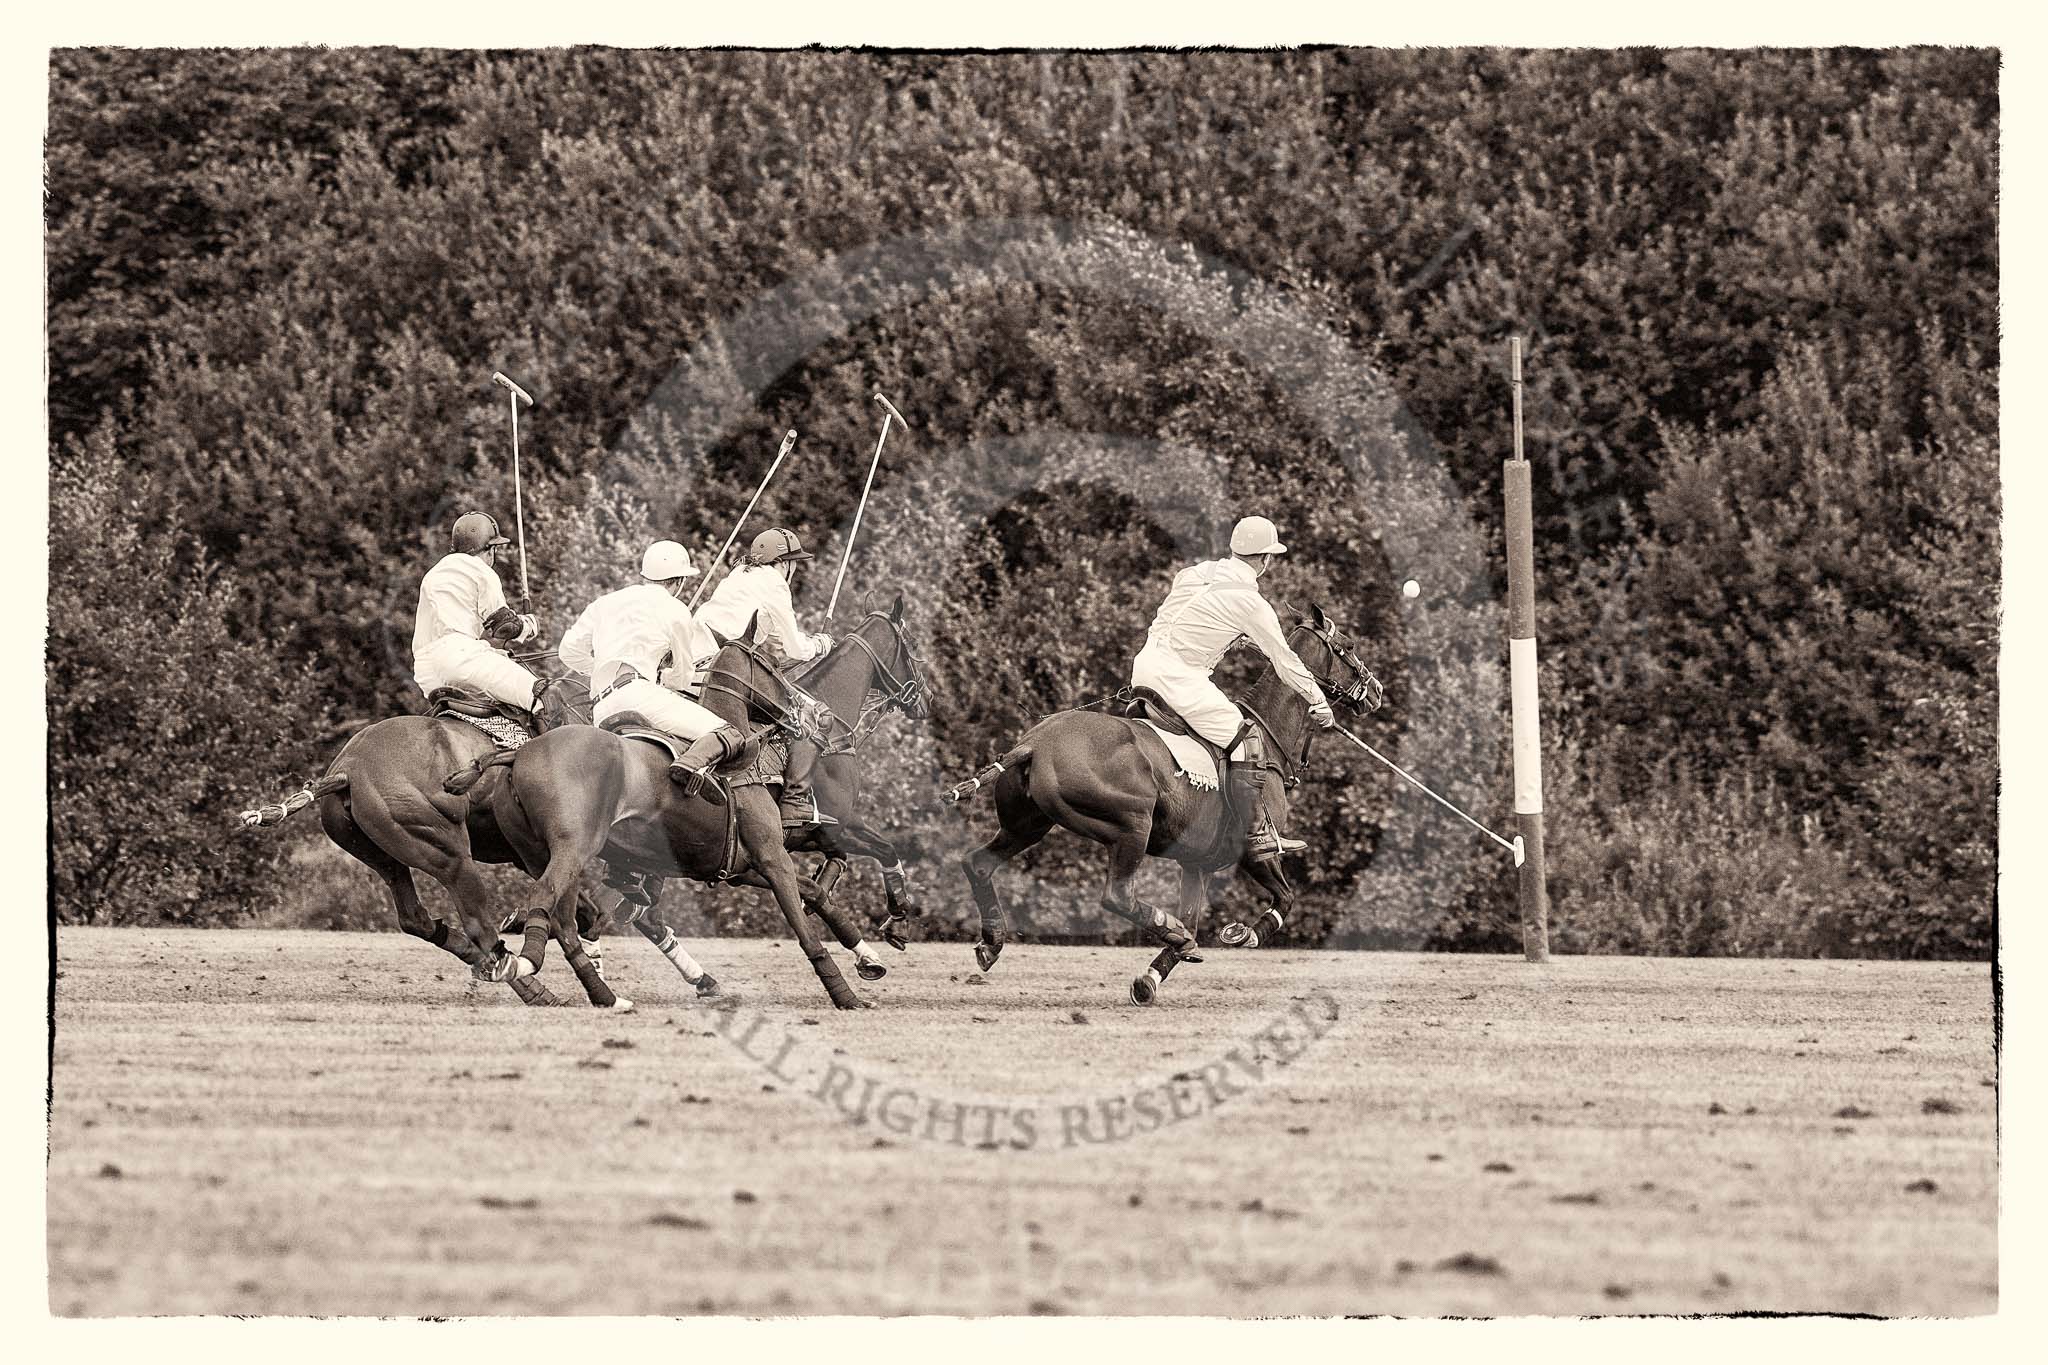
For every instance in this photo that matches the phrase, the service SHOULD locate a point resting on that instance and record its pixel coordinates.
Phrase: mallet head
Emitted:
(498, 378)
(890, 406)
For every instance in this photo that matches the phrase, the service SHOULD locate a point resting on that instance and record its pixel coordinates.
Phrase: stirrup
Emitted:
(697, 782)
(1266, 839)
(794, 816)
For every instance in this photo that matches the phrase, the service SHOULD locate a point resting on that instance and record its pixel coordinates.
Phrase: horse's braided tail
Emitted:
(952, 796)
(460, 781)
(264, 816)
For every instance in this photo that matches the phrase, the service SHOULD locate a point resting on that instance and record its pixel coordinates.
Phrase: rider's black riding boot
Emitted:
(537, 710)
(799, 803)
(692, 772)
(1264, 836)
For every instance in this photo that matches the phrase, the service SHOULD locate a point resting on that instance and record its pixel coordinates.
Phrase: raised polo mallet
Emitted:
(788, 440)
(888, 412)
(515, 393)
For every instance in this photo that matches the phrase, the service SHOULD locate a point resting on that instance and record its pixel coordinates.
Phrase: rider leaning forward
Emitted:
(759, 590)
(462, 613)
(1211, 607)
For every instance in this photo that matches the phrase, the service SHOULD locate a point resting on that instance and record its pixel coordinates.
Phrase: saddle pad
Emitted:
(1190, 759)
(504, 733)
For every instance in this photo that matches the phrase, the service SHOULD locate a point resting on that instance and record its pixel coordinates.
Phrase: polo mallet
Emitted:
(888, 412)
(514, 393)
(1515, 848)
(788, 440)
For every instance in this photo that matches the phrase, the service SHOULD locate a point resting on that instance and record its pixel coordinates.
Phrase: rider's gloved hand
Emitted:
(1325, 717)
(824, 643)
(529, 627)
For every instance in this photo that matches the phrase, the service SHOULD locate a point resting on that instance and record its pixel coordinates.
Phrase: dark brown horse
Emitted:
(846, 694)
(1113, 780)
(871, 671)
(382, 800)
(581, 793)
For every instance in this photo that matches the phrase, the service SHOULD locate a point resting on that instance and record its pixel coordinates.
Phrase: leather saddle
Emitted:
(1142, 703)
(633, 725)
(460, 701)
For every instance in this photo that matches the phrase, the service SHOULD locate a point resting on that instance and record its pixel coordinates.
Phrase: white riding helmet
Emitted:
(1256, 536)
(665, 560)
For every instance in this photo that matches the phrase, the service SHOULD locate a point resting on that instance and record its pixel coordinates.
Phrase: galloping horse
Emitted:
(382, 801)
(580, 793)
(872, 671)
(1113, 780)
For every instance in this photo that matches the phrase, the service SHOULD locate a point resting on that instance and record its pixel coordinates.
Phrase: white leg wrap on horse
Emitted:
(687, 965)
(1152, 975)
(522, 965)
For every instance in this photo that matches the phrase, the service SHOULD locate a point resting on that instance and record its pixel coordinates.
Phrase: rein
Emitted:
(840, 737)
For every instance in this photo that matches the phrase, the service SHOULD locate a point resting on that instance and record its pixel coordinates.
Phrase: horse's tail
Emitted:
(264, 816)
(1017, 758)
(462, 780)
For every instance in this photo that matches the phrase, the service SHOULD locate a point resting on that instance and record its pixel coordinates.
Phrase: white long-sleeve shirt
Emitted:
(635, 628)
(1210, 607)
(760, 588)
(455, 597)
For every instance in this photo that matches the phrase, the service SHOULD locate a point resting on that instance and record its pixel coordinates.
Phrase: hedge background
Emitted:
(1124, 298)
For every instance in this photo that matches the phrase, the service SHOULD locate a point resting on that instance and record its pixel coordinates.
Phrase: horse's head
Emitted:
(1334, 664)
(898, 671)
(742, 686)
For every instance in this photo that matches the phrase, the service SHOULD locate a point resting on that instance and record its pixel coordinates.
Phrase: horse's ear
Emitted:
(752, 634)
(722, 641)
(1315, 612)
(896, 610)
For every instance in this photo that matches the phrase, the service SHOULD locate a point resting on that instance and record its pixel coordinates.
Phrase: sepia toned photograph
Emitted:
(1241, 682)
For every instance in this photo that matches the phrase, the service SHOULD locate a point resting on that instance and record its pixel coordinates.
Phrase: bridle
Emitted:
(886, 690)
(795, 720)
(1365, 693)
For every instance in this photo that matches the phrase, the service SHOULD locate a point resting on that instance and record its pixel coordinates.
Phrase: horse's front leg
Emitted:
(1272, 878)
(655, 928)
(1194, 898)
(760, 829)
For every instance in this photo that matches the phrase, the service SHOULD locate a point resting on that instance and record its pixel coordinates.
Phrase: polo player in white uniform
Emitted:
(1210, 608)
(760, 590)
(620, 642)
(461, 608)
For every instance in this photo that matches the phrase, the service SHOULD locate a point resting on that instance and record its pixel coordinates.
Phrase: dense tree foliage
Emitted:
(1124, 299)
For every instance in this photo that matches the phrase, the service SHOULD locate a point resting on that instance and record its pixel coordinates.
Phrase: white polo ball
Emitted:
(1411, 589)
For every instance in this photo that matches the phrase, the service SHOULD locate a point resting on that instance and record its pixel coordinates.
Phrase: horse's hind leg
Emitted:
(339, 819)
(1029, 827)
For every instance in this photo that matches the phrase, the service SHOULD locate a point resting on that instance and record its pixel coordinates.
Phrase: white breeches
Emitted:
(665, 710)
(458, 661)
(1188, 690)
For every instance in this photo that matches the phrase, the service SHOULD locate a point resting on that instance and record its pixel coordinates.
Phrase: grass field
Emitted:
(280, 1122)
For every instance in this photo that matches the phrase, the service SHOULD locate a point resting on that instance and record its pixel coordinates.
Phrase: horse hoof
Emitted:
(1188, 954)
(985, 954)
(495, 968)
(707, 985)
(1142, 990)
(620, 1005)
(522, 966)
(1237, 936)
(871, 971)
(857, 1003)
